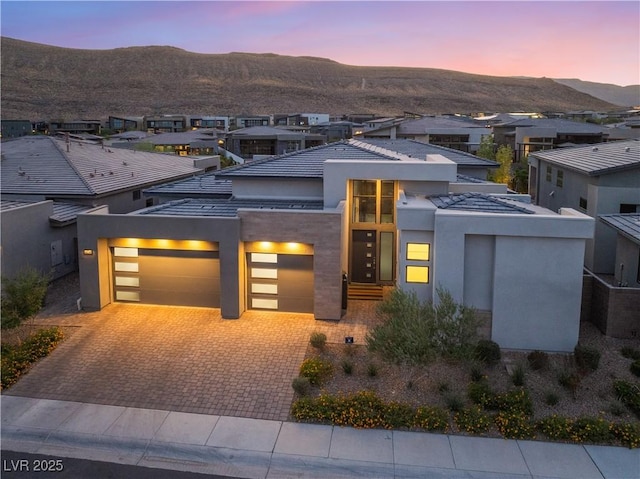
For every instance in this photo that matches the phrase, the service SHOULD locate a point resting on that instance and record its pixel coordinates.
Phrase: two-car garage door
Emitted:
(167, 277)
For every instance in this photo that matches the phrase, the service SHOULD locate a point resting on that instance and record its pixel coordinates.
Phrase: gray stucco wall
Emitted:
(28, 240)
(95, 271)
(322, 229)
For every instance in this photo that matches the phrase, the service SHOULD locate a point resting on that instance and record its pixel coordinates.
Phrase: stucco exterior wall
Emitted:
(615, 310)
(627, 271)
(308, 189)
(323, 230)
(95, 270)
(537, 273)
(28, 240)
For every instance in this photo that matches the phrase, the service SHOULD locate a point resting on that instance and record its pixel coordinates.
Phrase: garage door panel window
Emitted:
(128, 267)
(127, 295)
(133, 282)
(260, 288)
(262, 303)
(264, 273)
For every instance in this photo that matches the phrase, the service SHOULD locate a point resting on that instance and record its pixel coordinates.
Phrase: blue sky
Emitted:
(593, 41)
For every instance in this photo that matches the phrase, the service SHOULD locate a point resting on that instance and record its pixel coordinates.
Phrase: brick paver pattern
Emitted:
(184, 359)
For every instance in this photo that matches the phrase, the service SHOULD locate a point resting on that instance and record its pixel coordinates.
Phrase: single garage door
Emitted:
(171, 277)
(281, 282)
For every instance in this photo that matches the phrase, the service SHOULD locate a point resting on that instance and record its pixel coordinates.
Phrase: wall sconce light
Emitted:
(87, 252)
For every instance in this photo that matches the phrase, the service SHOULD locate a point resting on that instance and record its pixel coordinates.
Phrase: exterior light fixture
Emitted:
(87, 252)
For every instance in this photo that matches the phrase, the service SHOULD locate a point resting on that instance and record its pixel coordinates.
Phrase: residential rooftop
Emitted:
(225, 207)
(479, 203)
(43, 165)
(627, 224)
(201, 185)
(597, 159)
(420, 150)
(559, 124)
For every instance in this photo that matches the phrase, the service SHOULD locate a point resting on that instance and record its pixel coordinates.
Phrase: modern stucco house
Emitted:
(47, 181)
(296, 225)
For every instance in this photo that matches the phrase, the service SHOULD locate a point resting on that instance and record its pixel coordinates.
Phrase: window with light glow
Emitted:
(417, 274)
(418, 251)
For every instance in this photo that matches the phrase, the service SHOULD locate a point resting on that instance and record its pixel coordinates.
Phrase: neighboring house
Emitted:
(121, 124)
(529, 135)
(613, 301)
(209, 122)
(41, 235)
(268, 141)
(201, 186)
(333, 130)
(298, 225)
(457, 134)
(468, 164)
(38, 168)
(16, 128)
(165, 123)
(92, 127)
(249, 121)
(596, 179)
(300, 119)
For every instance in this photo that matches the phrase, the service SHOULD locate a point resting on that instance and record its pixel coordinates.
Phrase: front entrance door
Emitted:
(363, 256)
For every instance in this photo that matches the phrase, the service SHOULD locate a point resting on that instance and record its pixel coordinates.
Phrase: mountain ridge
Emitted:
(42, 81)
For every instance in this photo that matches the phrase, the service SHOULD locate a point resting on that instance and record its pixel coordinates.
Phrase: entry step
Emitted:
(358, 291)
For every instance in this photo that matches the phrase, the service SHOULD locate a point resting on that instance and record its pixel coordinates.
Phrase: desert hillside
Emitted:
(40, 81)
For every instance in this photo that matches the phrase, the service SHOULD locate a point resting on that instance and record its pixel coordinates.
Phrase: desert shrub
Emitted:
(487, 351)
(635, 367)
(515, 401)
(477, 373)
(630, 353)
(431, 418)
(556, 427)
(587, 358)
(589, 429)
(570, 380)
(415, 332)
(347, 367)
(316, 370)
(617, 408)
(538, 360)
(372, 370)
(442, 387)
(480, 393)
(22, 297)
(398, 415)
(454, 402)
(517, 376)
(318, 340)
(514, 425)
(473, 420)
(629, 394)
(16, 360)
(301, 385)
(551, 398)
(627, 433)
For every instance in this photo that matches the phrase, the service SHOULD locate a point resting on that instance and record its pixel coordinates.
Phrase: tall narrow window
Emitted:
(386, 256)
(387, 201)
(560, 179)
(364, 201)
(549, 173)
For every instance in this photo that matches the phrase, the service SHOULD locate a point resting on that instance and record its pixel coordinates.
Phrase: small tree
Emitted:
(504, 174)
(22, 296)
(487, 148)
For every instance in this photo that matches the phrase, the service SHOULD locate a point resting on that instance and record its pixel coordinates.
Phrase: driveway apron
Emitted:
(182, 359)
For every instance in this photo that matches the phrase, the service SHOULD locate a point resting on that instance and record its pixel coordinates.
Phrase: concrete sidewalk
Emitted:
(257, 448)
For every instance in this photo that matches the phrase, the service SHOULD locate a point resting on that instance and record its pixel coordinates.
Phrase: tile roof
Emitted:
(225, 207)
(436, 124)
(477, 202)
(7, 205)
(309, 163)
(627, 224)
(559, 124)
(40, 165)
(183, 138)
(418, 149)
(64, 213)
(595, 160)
(201, 185)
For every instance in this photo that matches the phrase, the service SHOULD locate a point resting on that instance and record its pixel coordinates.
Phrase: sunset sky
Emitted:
(592, 41)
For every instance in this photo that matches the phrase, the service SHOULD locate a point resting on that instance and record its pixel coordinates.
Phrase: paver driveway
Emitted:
(183, 359)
